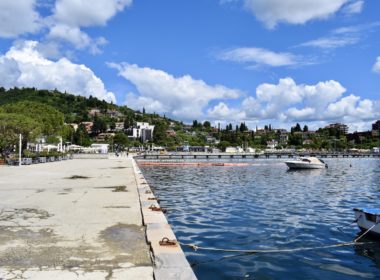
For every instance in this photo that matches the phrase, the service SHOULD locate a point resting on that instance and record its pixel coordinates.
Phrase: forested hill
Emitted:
(75, 108)
(33, 113)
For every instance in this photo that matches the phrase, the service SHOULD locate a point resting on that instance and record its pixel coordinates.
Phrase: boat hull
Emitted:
(302, 165)
(365, 221)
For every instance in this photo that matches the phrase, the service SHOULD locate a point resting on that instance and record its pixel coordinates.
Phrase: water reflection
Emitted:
(369, 249)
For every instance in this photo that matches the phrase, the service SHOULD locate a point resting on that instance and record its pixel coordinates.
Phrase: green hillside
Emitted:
(33, 113)
(75, 108)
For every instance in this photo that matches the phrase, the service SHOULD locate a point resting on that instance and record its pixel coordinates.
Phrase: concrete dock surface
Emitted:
(75, 219)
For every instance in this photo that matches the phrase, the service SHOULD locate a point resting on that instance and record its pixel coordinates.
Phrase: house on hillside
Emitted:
(119, 126)
(171, 132)
(114, 113)
(272, 144)
(94, 112)
(342, 128)
(142, 131)
(102, 137)
(88, 126)
(212, 140)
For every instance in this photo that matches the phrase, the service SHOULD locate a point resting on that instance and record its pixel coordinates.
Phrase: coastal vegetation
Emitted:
(55, 115)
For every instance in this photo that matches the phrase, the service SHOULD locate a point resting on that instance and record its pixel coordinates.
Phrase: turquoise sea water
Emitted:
(264, 206)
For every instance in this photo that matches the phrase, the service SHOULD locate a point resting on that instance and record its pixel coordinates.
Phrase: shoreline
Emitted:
(168, 257)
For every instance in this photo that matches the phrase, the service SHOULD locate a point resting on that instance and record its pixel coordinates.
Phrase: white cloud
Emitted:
(275, 99)
(24, 66)
(376, 66)
(18, 17)
(76, 37)
(139, 102)
(343, 36)
(64, 24)
(259, 56)
(223, 112)
(88, 13)
(182, 97)
(332, 42)
(351, 108)
(69, 16)
(71, 34)
(324, 101)
(272, 12)
(354, 8)
(304, 113)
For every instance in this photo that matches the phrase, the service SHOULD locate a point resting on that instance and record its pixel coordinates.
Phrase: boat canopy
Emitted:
(313, 160)
(373, 211)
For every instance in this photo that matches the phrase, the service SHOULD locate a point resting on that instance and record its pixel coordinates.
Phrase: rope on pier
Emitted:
(265, 251)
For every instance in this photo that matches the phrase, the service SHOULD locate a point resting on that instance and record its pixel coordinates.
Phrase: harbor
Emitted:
(264, 221)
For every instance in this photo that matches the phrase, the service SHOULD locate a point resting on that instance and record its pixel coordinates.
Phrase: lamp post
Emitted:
(19, 151)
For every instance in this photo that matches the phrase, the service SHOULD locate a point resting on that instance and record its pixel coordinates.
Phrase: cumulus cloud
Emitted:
(182, 97)
(259, 56)
(24, 66)
(76, 37)
(223, 112)
(376, 66)
(18, 17)
(324, 101)
(272, 12)
(303, 113)
(88, 13)
(64, 24)
(69, 16)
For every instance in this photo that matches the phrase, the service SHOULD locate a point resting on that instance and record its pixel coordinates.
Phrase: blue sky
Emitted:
(259, 61)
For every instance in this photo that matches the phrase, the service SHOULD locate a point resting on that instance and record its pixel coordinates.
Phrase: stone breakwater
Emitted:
(169, 259)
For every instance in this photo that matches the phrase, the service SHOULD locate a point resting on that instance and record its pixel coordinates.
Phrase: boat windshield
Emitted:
(305, 160)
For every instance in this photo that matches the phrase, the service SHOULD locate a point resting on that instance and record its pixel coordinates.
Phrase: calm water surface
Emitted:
(263, 206)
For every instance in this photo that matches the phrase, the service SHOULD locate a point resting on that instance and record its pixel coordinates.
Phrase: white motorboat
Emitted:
(368, 219)
(306, 163)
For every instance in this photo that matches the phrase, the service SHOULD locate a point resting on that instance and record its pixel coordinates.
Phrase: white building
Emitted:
(233, 150)
(40, 144)
(143, 131)
(100, 148)
(272, 144)
(250, 150)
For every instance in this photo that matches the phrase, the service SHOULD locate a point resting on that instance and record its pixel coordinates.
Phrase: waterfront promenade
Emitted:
(76, 219)
(263, 155)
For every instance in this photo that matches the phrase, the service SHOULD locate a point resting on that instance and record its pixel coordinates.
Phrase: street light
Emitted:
(19, 151)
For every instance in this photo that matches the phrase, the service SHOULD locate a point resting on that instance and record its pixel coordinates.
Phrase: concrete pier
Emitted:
(76, 219)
